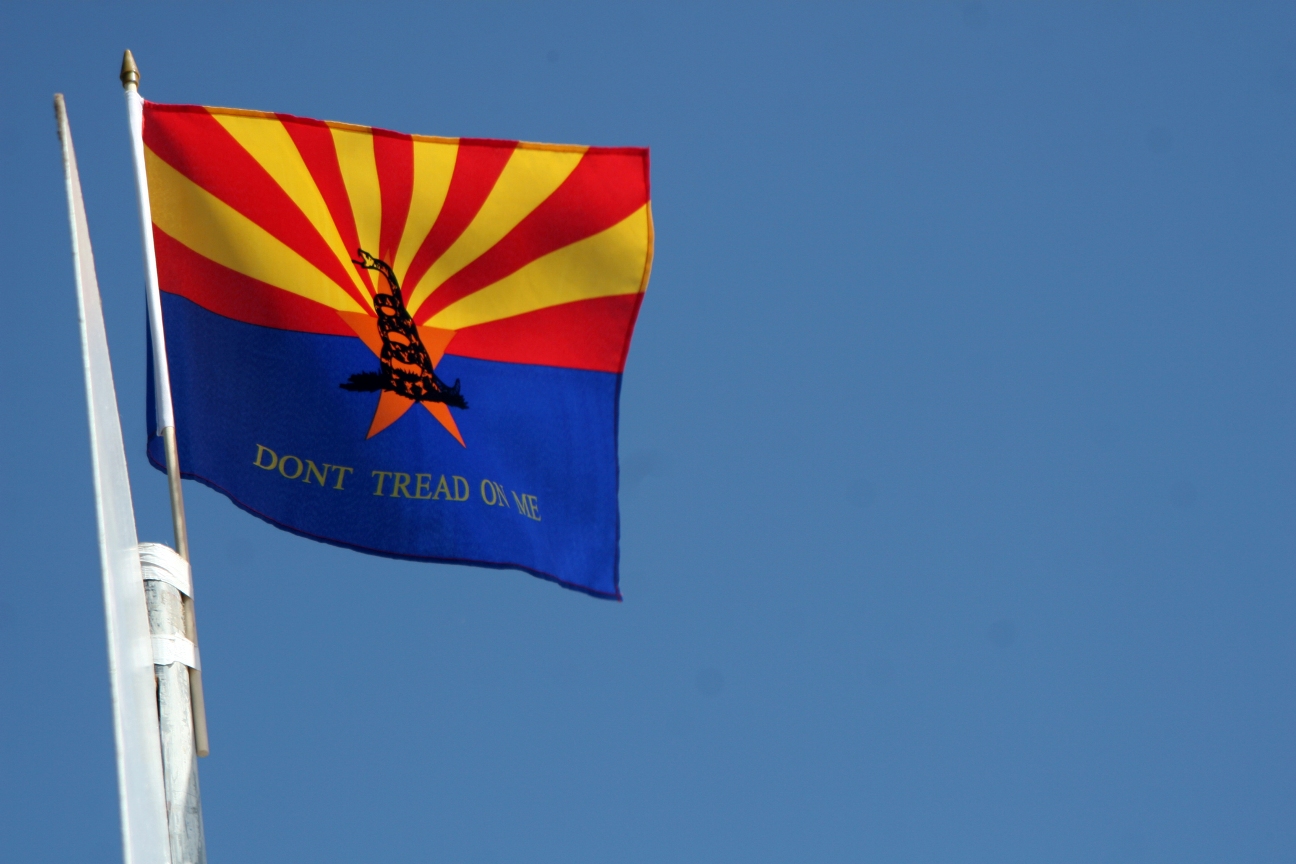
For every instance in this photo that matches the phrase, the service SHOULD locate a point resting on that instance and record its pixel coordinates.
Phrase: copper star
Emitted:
(391, 406)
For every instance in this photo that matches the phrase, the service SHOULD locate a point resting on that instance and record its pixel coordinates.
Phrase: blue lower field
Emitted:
(261, 418)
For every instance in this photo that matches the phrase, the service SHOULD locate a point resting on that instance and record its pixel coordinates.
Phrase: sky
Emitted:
(958, 488)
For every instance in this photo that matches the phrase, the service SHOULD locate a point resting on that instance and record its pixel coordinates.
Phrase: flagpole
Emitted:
(162, 381)
(140, 784)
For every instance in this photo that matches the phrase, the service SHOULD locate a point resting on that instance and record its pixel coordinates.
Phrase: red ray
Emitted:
(478, 164)
(394, 155)
(315, 144)
(588, 334)
(605, 187)
(191, 141)
(227, 292)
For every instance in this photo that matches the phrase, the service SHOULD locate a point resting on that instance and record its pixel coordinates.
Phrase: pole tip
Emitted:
(60, 112)
(129, 72)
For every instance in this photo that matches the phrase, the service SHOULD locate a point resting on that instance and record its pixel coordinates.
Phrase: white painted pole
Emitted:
(162, 378)
(140, 785)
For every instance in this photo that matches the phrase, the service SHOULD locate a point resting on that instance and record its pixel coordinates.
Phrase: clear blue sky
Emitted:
(957, 441)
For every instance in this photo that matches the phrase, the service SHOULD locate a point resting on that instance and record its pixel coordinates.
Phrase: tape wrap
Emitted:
(174, 649)
(161, 563)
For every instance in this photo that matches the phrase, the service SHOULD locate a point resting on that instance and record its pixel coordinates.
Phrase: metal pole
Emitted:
(162, 383)
(166, 584)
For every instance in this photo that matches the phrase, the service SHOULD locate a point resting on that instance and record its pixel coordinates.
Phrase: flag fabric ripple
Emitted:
(406, 345)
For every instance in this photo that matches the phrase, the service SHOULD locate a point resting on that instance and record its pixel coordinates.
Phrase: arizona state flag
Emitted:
(405, 345)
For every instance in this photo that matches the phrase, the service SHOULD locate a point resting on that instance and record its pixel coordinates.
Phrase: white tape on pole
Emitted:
(130, 646)
(163, 564)
(174, 649)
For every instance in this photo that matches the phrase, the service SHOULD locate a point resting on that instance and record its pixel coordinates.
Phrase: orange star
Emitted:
(392, 407)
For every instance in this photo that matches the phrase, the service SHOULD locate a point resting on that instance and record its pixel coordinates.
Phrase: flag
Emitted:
(410, 346)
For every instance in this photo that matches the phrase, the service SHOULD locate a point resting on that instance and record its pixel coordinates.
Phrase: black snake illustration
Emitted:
(406, 366)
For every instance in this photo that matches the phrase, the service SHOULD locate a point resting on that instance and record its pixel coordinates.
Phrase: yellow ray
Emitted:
(433, 166)
(355, 154)
(530, 177)
(609, 263)
(213, 229)
(268, 142)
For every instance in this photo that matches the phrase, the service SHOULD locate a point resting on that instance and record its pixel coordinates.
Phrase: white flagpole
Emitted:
(162, 379)
(130, 652)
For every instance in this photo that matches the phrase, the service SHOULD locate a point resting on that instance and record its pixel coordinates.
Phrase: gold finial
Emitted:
(129, 72)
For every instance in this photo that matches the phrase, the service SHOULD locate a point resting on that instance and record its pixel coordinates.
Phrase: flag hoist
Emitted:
(168, 581)
(162, 380)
